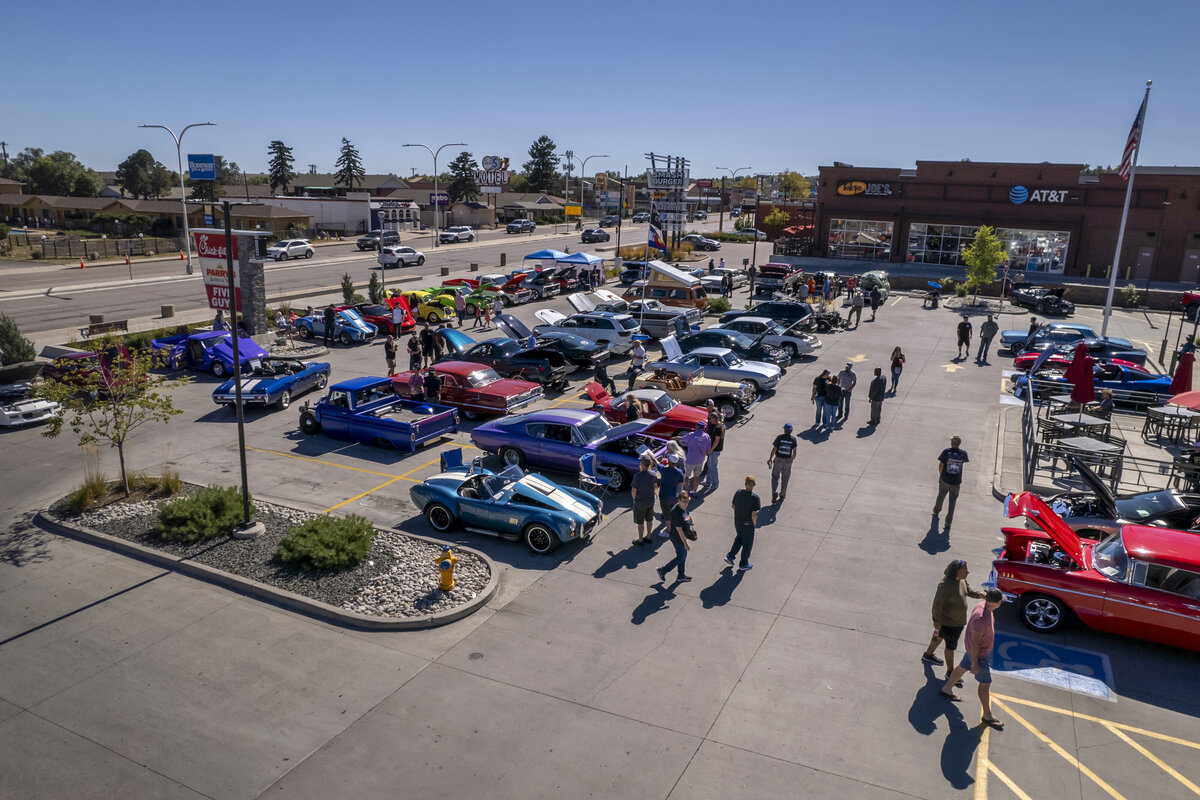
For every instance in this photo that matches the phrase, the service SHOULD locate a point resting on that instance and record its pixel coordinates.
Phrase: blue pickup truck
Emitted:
(367, 410)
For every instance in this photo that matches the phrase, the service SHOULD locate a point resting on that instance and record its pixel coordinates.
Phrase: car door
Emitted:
(1140, 611)
(561, 447)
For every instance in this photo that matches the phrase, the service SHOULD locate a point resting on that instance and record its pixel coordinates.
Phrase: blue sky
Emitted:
(768, 84)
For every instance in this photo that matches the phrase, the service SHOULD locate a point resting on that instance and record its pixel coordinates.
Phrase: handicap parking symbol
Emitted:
(1053, 664)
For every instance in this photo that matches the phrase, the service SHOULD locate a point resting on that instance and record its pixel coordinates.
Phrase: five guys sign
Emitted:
(212, 250)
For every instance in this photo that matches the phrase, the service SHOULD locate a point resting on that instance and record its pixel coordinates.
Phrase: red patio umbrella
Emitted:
(1081, 376)
(1186, 400)
(1182, 382)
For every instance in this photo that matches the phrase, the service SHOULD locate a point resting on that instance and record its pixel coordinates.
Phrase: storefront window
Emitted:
(865, 239)
(1029, 250)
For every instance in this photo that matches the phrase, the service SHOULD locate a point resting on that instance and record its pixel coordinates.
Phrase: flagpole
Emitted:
(1112, 278)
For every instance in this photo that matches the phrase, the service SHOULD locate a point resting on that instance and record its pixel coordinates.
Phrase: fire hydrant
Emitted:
(445, 563)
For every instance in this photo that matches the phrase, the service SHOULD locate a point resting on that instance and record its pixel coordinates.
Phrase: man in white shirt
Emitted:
(847, 380)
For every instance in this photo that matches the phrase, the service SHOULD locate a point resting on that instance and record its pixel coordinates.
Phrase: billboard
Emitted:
(212, 250)
(666, 178)
(441, 199)
(202, 167)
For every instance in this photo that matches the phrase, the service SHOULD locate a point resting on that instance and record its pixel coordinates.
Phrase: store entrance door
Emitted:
(1145, 261)
(1191, 266)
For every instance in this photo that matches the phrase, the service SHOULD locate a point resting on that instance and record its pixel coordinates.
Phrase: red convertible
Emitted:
(476, 389)
(673, 417)
(1141, 581)
(1063, 360)
(380, 315)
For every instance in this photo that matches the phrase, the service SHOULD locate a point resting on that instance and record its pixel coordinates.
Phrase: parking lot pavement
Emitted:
(584, 675)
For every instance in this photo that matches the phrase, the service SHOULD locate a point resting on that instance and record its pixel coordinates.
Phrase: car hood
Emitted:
(1103, 494)
(635, 428)
(1029, 505)
(459, 342)
(510, 387)
(549, 316)
(255, 384)
(580, 302)
(512, 327)
(535, 487)
(248, 348)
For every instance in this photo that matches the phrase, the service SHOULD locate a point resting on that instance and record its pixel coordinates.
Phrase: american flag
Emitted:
(1135, 133)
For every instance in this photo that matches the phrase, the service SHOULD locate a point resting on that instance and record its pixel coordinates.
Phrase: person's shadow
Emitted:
(722, 589)
(630, 558)
(865, 431)
(766, 515)
(935, 542)
(652, 603)
(815, 436)
(958, 750)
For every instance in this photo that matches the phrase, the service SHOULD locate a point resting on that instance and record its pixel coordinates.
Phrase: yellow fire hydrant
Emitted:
(445, 563)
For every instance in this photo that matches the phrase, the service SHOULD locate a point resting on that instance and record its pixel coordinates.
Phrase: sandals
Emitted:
(950, 696)
(993, 722)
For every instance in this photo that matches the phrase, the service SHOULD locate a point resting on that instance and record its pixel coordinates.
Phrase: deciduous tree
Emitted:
(982, 256)
(59, 173)
(795, 185)
(142, 177)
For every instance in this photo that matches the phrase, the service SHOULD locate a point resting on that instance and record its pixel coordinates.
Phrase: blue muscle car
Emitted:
(511, 504)
(557, 438)
(349, 327)
(274, 381)
(208, 351)
(1130, 385)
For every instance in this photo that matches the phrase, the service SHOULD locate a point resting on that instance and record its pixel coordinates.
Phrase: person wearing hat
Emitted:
(698, 444)
(637, 358)
(847, 379)
(964, 337)
(670, 481)
(716, 432)
(783, 453)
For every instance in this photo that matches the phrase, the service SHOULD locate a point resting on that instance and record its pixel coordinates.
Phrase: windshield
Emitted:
(773, 328)
(482, 377)
(733, 360)
(594, 428)
(1110, 558)
(664, 402)
(377, 311)
(628, 323)
(1145, 506)
(740, 339)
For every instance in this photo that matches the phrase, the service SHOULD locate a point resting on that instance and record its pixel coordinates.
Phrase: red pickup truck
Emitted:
(1191, 303)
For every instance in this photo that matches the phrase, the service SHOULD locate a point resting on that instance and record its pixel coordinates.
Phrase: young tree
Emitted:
(463, 185)
(280, 169)
(375, 289)
(14, 348)
(982, 256)
(108, 405)
(795, 185)
(348, 289)
(541, 168)
(349, 167)
(776, 221)
(143, 177)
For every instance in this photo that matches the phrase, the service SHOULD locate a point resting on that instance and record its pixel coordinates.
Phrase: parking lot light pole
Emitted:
(732, 174)
(187, 236)
(436, 199)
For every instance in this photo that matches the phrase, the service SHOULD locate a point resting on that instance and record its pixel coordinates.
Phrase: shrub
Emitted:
(327, 542)
(375, 288)
(85, 496)
(960, 289)
(139, 341)
(1129, 293)
(347, 287)
(718, 305)
(35, 254)
(14, 348)
(211, 511)
(169, 483)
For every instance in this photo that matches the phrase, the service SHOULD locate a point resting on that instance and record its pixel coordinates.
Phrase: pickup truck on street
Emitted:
(367, 410)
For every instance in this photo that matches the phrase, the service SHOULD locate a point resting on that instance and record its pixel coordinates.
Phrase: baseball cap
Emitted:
(673, 458)
(850, 364)
(787, 426)
(700, 426)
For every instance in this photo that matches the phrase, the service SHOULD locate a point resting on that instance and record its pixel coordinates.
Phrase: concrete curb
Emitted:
(270, 594)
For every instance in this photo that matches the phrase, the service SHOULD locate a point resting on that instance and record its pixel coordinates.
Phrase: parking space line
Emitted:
(414, 469)
(1007, 781)
(1158, 761)
(1077, 715)
(326, 463)
(1070, 759)
(897, 300)
(560, 401)
(364, 494)
(982, 765)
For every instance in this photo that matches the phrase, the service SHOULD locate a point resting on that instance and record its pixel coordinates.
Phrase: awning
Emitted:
(579, 258)
(546, 255)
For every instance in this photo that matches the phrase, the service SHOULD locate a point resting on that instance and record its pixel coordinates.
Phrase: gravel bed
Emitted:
(398, 577)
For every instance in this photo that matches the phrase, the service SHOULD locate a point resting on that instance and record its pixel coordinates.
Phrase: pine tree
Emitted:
(541, 168)
(349, 167)
(280, 169)
(463, 184)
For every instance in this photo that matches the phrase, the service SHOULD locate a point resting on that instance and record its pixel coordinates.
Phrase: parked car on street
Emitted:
(290, 248)
(520, 226)
(751, 233)
(1042, 299)
(671, 417)
(579, 352)
(689, 384)
(777, 277)
(368, 411)
(591, 235)
(641, 216)
(701, 214)
(699, 242)
(723, 364)
(1097, 512)
(632, 271)
(349, 327)
(609, 221)
(274, 382)
(1054, 332)
(656, 319)
(380, 316)
(744, 346)
(511, 504)
(395, 255)
(456, 233)
(19, 406)
(427, 307)
(476, 389)
(1131, 385)
(1142, 581)
(786, 312)
(1107, 349)
(374, 239)
(765, 330)
(713, 281)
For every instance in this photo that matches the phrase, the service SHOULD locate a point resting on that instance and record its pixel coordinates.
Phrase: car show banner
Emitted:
(213, 251)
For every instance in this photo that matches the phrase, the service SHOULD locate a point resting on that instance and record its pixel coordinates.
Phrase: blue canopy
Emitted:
(933, 284)
(547, 255)
(580, 258)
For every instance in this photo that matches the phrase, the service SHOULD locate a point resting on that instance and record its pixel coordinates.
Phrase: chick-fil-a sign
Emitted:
(213, 251)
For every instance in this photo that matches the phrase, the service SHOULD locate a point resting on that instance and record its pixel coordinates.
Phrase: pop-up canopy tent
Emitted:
(586, 259)
(546, 255)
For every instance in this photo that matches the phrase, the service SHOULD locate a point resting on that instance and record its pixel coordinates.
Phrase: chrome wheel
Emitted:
(512, 457)
(1043, 614)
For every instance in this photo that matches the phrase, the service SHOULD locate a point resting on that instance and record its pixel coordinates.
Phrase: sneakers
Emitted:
(662, 575)
(729, 560)
(745, 567)
(684, 578)
(929, 658)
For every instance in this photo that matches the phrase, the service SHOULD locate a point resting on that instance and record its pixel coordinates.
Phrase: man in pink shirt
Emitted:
(979, 634)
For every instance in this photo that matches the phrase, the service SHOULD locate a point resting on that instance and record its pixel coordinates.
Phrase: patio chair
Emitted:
(589, 479)
(452, 459)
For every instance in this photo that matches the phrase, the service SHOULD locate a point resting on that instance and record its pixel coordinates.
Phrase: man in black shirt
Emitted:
(600, 375)
(950, 473)
(745, 516)
(716, 432)
(818, 395)
(433, 387)
(427, 343)
(679, 527)
(783, 452)
(330, 321)
(964, 337)
(875, 393)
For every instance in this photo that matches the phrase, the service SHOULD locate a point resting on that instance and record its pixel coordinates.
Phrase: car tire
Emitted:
(281, 257)
(727, 408)
(440, 518)
(539, 539)
(471, 415)
(322, 380)
(308, 253)
(1042, 613)
(822, 326)
(432, 317)
(218, 369)
(285, 399)
(308, 424)
(1040, 307)
(618, 480)
(420, 260)
(512, 457)
(305, 333)
(345, 338)
(791, 350)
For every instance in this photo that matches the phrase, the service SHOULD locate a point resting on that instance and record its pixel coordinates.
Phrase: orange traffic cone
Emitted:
(127, 261)
(82, 265)
(181, 258)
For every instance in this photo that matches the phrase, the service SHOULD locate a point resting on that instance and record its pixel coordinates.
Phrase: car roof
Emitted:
(564, 416)
(605, 315)
(459, 367)
(350, 384)
(709, 351)
(1171, 548)
(748, 318)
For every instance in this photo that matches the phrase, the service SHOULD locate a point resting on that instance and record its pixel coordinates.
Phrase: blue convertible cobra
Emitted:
(511, 504)
(274, 382)
(348, 327)
(1131, 385)
(557, 438)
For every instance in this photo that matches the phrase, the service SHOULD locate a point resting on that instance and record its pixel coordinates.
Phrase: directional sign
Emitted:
(671, 205)
(858, 359)
(952, 368)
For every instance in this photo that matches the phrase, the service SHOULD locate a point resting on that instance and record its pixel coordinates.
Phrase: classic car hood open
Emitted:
(1104, 495)
(512, 327)
(248, 348)
(580, 302)
(1029, 505)
(635, 428)
(671, 349)
(457, 341)
(598, 394)
(549, 316)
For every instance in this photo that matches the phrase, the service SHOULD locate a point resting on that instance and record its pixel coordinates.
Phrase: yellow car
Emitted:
(425, 306)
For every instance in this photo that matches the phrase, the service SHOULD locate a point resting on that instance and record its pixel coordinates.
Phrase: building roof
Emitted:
(264, 210)
(6, 182)
(92, 203)
(15, 199)
(325, 180)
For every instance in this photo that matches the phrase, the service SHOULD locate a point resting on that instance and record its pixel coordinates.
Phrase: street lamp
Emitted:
(732, 174)
(436, 199)
(582, 172)
(187, 236)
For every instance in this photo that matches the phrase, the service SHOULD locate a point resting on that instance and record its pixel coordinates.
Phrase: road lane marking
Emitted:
(1161, 764)
(1078, 715)
(858, 359)
(952, 368)
(364, 494)
(1070, 759)
(325, 463)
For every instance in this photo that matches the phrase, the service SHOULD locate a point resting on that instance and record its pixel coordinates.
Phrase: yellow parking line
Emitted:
(559, 402)
(364, 494)
(1131, 729)
(981, 766)
(1161, 764)
(897, 300)
(1007, 781)
(423, 466)
(319, 461)
(1070, 759)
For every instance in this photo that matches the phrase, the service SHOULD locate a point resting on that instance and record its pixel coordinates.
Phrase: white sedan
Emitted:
(769, 332)
(398, 256)
(712, 280)
(290, 248)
